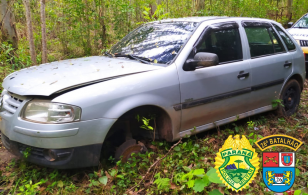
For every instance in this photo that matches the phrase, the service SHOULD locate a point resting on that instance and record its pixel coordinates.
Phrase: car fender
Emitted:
(113, 98)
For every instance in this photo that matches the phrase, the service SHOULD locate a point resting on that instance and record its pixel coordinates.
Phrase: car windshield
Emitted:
(157, 42)
(302, 23)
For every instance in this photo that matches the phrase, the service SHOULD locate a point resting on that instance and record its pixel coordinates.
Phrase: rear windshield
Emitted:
(302, 23)
(159, 42)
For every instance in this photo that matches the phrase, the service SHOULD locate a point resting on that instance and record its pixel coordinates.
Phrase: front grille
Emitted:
(33, 151)
(304, 43)
(11, 102)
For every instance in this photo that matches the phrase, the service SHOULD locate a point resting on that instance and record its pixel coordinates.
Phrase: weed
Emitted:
(276, 103)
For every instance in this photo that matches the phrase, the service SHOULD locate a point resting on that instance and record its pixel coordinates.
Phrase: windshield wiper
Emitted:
(140, 59)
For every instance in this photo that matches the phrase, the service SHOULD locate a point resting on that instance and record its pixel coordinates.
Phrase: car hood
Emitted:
(54, 77)
(299, 33)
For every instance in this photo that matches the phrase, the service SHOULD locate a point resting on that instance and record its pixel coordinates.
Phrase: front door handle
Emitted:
(287, 64)
(242, 75)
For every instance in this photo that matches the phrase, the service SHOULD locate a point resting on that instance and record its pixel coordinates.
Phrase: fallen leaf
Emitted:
(107, 174)
(211, 140)
(173, 186)
(130, 192)
(42, 189)
(147, 184)
(153, 147)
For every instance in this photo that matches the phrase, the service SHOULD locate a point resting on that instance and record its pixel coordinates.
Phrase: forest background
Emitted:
(76, 28)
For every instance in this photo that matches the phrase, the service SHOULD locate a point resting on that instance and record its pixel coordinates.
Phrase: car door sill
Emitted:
(224, 121)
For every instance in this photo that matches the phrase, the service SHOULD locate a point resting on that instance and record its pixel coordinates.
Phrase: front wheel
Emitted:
(290, 98)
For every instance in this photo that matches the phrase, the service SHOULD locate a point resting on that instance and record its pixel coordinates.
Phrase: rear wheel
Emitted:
(290, 98)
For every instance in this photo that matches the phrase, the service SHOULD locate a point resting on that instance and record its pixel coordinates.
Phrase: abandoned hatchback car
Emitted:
(183, 74)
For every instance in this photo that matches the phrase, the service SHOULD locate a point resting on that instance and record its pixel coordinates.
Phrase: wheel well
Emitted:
(161, 123)
(299, 79)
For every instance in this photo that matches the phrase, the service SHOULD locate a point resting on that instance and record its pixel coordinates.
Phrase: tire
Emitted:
(290, 98)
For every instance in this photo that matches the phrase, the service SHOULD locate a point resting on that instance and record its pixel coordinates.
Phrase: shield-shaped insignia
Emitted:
(237, 163)
(287, 158)
(278, 170)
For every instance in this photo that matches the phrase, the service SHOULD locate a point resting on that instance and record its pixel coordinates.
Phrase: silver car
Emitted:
(183, 76)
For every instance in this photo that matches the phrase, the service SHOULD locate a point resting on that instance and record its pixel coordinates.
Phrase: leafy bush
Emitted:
(11, 60)
(14, 59)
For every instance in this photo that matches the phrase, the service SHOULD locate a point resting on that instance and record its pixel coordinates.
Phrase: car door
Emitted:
(214, 93)
(270, 63)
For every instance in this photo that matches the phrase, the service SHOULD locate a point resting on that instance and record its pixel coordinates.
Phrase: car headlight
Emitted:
(44, 111)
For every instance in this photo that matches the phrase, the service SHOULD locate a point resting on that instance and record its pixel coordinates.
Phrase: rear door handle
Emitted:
(242, 75)
(287, 64)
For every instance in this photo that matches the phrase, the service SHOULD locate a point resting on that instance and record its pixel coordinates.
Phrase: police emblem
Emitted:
(279, 175)
(237, 163)
(278, 167)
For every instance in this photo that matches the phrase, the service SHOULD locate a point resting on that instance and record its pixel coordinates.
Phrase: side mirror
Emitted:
(290, 24)
(201, 59)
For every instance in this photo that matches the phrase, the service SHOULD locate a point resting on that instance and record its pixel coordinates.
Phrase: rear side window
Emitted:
(278, 46)
(286, 39)
(225, 43)
(263, 41)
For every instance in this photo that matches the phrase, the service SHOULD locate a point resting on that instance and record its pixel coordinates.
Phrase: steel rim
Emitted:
(290, 99)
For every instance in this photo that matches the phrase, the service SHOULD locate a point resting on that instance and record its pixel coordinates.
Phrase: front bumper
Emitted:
(83, 139)
(69, 158)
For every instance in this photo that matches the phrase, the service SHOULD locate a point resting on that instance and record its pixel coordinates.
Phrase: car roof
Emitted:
(212, 18)
(193, 19)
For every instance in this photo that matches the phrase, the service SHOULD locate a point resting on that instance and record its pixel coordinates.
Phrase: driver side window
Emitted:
(225, 43)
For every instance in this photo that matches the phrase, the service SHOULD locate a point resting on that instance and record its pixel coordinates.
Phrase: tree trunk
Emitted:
(102, 15)
(289, 13)
(43, 27)
(30, 31)
(7, 24)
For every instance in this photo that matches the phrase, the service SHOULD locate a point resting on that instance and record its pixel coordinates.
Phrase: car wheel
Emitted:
(290, 98)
